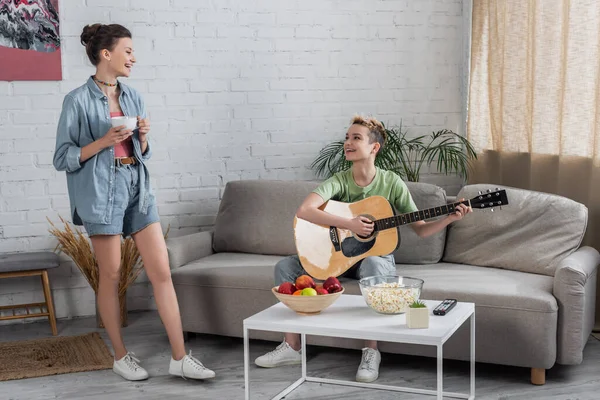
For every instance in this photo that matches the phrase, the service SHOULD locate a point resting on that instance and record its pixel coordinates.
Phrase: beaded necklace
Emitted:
(104, 83)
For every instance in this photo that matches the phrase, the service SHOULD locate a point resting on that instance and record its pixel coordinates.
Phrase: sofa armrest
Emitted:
(575, 292)
(187, 248)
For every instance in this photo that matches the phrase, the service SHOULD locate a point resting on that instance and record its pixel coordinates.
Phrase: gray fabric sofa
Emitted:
(533, 285)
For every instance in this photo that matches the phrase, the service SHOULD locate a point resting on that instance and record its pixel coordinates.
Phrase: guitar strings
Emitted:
(404, 219)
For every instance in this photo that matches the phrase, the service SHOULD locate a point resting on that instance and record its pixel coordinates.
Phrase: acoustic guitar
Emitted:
(326, 251)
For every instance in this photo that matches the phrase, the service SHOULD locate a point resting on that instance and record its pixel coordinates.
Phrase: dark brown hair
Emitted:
(98, 36)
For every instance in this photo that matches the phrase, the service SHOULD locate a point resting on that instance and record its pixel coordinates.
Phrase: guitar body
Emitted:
(327, 251)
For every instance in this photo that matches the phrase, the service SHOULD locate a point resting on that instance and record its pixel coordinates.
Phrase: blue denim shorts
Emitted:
(126, 216)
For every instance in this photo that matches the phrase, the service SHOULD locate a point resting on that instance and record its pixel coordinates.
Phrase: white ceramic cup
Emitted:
(129, 122)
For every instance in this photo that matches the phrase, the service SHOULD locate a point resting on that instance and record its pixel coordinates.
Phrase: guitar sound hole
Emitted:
(352, 247)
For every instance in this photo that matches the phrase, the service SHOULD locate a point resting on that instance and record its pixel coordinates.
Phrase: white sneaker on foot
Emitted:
(190, 367)
(129, 368)
(282, 355)
(368, 370)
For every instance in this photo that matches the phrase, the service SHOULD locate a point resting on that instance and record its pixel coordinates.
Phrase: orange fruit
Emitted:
(297, 293)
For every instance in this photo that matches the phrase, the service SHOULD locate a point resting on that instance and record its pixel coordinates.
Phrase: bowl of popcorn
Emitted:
(390, 294)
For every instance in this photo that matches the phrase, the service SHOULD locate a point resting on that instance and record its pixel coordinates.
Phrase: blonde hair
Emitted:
(376, 129)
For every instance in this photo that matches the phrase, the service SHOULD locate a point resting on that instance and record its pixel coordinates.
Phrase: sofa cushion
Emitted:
(489, 287)
(256, 216)
(416, 250)
(484, 286)
(533, 233)
(237, 270)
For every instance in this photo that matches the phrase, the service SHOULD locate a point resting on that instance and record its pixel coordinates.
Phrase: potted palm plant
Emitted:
(405, 156)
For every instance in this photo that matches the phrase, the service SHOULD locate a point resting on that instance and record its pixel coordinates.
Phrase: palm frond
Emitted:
(330, 160)
(452, 151)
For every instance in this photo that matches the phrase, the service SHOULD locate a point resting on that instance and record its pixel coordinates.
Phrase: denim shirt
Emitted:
(85, 118)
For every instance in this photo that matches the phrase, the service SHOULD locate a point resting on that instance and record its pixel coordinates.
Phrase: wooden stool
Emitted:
(16, 265)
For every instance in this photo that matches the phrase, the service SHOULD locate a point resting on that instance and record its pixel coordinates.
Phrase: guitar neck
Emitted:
(421, 215)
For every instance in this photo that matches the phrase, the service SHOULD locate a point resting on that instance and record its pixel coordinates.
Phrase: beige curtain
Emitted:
(534, 99)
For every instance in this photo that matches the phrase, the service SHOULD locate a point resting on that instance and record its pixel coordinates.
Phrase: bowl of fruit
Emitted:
(390, 294)
(306, 297)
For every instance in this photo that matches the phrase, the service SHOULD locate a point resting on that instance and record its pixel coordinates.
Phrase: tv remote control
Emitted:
(444, 307)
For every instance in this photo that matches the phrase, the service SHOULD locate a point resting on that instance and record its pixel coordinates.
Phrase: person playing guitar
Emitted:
(364, 139)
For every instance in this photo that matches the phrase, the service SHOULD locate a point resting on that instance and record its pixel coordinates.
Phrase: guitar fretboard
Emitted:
(421, 215)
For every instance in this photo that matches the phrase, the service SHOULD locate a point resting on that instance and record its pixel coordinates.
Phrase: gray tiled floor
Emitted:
(145, 337)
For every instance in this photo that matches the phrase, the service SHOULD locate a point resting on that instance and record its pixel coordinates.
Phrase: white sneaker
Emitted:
(368, 370)
(190, 367)
(129, 368)
(282, 355)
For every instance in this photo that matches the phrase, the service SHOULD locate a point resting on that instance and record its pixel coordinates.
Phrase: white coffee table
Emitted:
(350, 317)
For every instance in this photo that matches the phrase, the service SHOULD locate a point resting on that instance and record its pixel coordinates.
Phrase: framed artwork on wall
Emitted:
(29, 40)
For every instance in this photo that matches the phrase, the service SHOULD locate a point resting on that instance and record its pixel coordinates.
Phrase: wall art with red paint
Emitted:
(29, 40)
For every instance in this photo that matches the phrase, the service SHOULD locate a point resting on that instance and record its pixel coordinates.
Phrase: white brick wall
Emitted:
(235, 90)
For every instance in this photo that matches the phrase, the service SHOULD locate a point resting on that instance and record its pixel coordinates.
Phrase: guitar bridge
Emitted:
(335, 238)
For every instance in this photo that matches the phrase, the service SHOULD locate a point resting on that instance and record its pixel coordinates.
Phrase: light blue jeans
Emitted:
(290, 268)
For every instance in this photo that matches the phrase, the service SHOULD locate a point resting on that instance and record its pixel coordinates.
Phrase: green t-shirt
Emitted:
(341, 187)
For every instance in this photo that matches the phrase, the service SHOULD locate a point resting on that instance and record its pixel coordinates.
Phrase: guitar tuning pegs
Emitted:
(492, 209)
(500, 207)
(480, 192)
(497, 188)
(489, 190)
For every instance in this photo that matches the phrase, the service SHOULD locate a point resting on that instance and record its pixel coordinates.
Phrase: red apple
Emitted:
(286, 288)
(322, 291)
(332, 285)
(304, 281)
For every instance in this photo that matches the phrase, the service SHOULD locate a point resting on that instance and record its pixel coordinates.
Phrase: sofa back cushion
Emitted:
(531, 234)
(416, 250)
(257, 216)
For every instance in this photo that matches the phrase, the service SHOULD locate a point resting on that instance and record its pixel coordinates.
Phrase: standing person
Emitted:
(110, 194)
(364, 139)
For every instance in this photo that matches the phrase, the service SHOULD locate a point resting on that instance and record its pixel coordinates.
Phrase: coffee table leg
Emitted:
(440, 374)
(472, 379)
(303, 340)
(246, 365)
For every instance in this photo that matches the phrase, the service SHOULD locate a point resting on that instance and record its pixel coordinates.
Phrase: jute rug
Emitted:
(53, 356)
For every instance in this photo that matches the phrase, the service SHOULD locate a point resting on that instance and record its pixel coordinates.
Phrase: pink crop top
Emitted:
(124, 148)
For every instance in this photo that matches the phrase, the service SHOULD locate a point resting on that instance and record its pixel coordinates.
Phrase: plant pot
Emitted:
(417, 318)
(122, 308)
